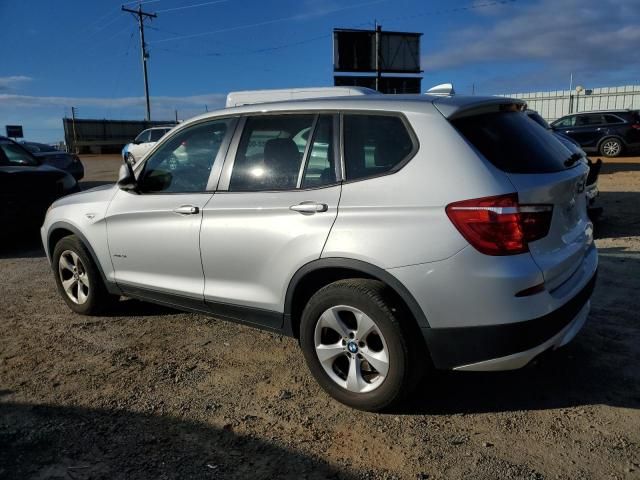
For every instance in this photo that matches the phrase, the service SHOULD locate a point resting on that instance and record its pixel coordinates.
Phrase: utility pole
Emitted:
(73, 123)
(378, 56)
(141, 16)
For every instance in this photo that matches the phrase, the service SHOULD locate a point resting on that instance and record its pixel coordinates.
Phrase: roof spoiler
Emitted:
(452, 109)
(249, 97)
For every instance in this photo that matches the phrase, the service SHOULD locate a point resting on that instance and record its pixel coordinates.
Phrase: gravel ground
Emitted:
(154, 393)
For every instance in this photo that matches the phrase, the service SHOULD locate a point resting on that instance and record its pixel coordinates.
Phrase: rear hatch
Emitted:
(544, 173)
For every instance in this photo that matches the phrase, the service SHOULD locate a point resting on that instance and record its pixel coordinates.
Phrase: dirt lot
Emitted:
(154, 393)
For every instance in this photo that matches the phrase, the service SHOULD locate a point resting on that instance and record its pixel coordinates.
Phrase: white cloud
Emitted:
(28, 101)
(582, 36)
(42, 116)
(10, 82)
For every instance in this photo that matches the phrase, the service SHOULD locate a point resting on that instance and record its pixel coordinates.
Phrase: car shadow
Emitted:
(600, 366)
(23, 244)
(129, 307)
(51, 441)
(611, 166)
(620, 215)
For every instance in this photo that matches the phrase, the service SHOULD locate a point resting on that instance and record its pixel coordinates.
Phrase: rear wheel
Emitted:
(78, 279)
(355, 346)
(611, 147)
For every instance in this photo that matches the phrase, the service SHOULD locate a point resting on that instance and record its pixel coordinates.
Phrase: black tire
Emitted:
(98, 299)
(611, 147)
(405, 363)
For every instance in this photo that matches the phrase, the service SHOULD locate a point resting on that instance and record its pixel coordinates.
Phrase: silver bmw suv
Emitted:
(389, 234)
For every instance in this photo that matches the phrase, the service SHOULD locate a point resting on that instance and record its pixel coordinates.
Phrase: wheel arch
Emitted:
(318, 273)
(58, 231)
(610, 136)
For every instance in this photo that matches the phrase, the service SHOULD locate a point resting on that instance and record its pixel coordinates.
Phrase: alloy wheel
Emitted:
(351, 349)
(611, 148)
(73, 277)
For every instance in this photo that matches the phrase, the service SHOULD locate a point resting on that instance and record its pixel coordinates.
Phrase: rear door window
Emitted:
(613, 119)
(320, 169)
(513, 143)
(588, 120)
(374, 144)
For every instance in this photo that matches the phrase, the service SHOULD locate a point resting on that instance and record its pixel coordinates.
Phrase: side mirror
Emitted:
(127, 178)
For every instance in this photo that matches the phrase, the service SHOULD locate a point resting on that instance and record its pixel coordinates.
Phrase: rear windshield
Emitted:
(513, 143)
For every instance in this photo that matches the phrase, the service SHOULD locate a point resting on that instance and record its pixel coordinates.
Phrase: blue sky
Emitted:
(62, 53)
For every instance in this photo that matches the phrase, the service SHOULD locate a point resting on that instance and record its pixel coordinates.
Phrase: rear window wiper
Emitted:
(572, 159)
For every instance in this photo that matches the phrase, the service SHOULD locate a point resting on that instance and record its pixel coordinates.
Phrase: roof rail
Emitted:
(442, 89)
(248, 97)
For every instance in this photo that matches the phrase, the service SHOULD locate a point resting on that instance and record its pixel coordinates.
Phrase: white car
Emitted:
(390, 234)
(144, 142)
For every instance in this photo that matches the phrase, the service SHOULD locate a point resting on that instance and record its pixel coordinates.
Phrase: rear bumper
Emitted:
(508, 346)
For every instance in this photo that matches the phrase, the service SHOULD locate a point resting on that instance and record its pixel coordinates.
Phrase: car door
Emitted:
(277, 201)
(154, 232)
(565, 125)
(589, 129)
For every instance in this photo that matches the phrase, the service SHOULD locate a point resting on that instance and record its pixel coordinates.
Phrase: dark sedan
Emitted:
(68, 162)
(607, 132)
(27, 187)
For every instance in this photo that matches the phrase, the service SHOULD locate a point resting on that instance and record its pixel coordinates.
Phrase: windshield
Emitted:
(513, 143)
(13, 155)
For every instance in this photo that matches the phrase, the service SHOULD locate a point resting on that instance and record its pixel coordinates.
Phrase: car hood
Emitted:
(102, 193)
(46, 154)
(17, 169)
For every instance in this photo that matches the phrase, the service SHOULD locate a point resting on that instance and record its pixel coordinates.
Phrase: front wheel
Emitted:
(355, 346)
(78, 279)
(611, 147)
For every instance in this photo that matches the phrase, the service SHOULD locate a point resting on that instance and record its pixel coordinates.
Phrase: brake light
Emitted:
(500, 225)
(636, 126)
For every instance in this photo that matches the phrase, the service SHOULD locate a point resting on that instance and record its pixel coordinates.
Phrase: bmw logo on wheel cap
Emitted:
(352, 347)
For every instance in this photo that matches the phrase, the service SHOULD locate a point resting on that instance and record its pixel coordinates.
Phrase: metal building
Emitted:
(103, 136)
(555, 104)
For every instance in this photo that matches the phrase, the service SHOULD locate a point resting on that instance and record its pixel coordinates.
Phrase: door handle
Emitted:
(187, 210)
(309, 207)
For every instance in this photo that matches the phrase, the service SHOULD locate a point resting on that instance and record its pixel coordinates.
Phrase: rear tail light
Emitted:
(636, 126)
(500, 225)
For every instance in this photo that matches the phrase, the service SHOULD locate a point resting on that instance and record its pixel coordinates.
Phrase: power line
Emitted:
(142, 16)
(473, 6)
(192, 6)
(119, 77)
(303, 16)
(299, 16)
(135, 2)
